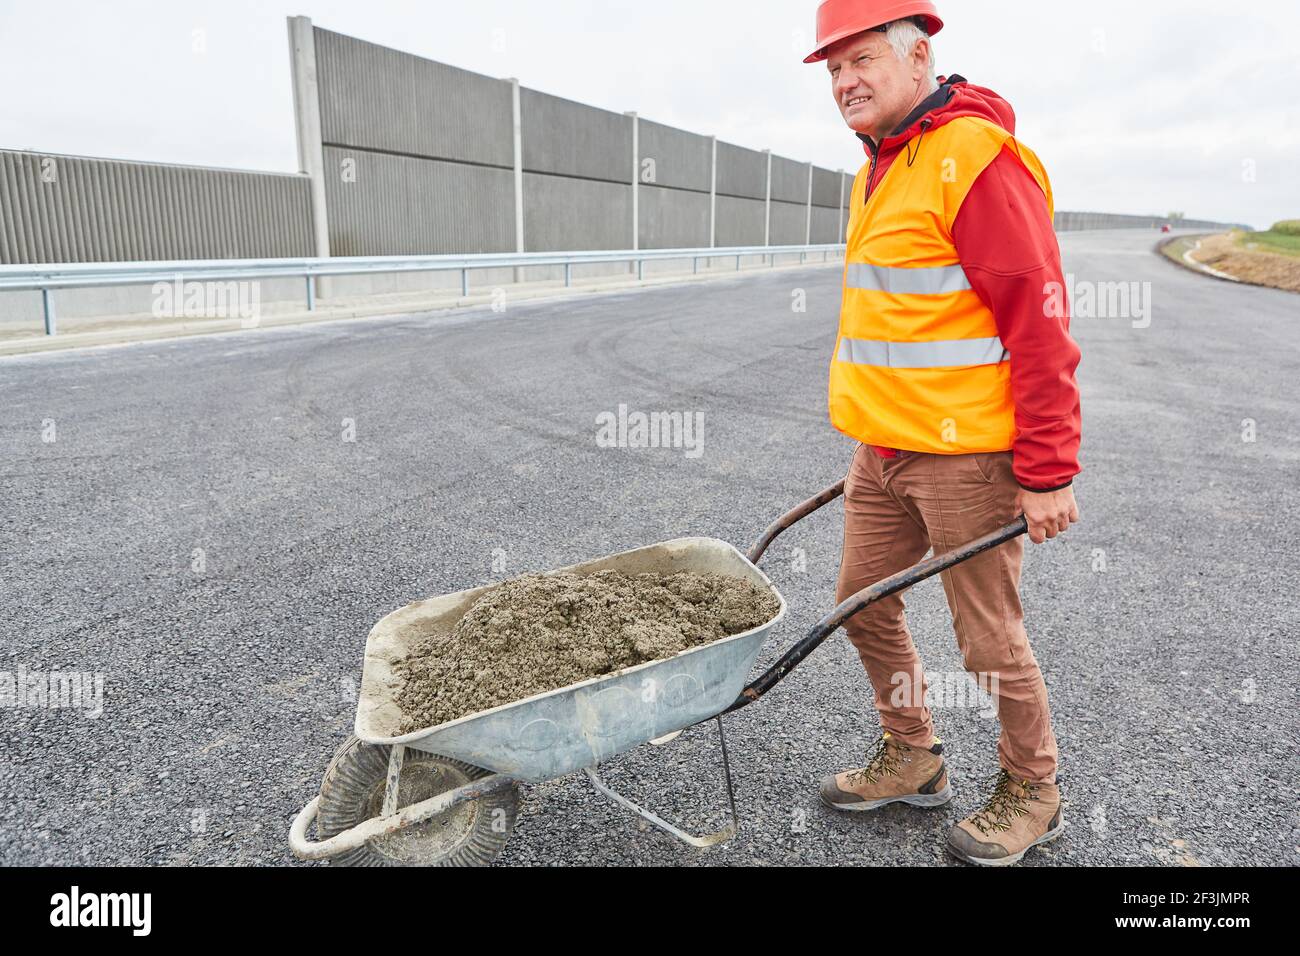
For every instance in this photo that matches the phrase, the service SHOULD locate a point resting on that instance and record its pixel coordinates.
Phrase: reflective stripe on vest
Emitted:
(959, 353)
(937, 280)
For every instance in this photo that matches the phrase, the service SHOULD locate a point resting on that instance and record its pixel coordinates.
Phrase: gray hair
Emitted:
(903, 36)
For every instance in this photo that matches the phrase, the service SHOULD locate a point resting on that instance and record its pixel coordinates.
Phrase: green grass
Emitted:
(1283, 238)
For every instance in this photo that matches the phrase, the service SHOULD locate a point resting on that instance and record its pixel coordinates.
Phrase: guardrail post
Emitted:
(695, 266)
(311, 293)
(568, 274)
(464, 283)
(47, 303)
(640, 270)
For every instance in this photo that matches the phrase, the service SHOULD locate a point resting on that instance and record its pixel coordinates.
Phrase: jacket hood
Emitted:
(954, 98)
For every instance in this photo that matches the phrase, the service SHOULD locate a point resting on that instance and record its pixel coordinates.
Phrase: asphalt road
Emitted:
(200, 533)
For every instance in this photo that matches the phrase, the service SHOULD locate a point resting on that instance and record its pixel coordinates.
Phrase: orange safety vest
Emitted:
(918, 364)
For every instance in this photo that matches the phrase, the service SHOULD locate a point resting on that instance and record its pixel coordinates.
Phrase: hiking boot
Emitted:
(896, 773)
(1018, 815)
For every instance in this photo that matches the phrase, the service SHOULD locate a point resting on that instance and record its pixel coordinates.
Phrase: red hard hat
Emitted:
(837, 19)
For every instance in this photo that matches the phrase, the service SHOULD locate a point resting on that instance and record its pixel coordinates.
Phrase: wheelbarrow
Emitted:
(448, 795)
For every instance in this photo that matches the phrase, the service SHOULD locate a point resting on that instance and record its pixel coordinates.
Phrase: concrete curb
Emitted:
(1193, 266)
(1189, 265)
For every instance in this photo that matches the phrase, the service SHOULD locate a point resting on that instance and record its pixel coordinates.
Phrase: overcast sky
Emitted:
(1134, 107)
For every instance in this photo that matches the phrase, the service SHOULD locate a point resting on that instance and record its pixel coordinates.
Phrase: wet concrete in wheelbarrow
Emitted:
(542, 632)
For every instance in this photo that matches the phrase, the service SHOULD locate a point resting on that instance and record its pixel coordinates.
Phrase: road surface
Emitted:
(188, 520)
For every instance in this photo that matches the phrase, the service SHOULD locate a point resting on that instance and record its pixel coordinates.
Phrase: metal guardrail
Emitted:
(47, 278)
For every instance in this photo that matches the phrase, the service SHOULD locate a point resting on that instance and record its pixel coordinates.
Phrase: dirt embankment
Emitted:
(1227, 254)
(542, 632)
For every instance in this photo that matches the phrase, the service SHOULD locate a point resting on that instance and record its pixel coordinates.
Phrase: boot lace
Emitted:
(1008, 802)
(883, 762)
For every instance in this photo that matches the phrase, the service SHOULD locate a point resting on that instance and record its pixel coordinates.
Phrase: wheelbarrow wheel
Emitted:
(471, 834)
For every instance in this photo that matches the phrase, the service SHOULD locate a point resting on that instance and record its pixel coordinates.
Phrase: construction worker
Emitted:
(958, 381)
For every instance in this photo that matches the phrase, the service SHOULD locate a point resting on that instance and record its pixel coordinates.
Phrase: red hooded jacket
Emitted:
(1008, 250)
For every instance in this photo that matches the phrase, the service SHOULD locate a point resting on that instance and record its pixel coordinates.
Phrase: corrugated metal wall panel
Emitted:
(26, 208)
(100, 210)
(681, 160)
(382, 99)
(567, 215)
(741, 172)
(108, 182)
(47, 214)
(9, 231)
(401, 205)
(569, 139)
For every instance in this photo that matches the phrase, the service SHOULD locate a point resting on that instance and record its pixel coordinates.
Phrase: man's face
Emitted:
(874, 89)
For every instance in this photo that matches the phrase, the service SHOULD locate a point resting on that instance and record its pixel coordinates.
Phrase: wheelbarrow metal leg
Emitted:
(700, 842)
(726, 775)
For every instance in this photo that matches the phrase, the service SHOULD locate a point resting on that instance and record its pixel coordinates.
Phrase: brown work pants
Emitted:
(895, 510)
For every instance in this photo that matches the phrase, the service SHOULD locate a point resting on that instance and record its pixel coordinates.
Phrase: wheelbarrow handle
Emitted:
(867, 596)
(786, 521)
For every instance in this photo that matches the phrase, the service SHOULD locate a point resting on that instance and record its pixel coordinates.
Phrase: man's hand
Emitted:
(1048, 513)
